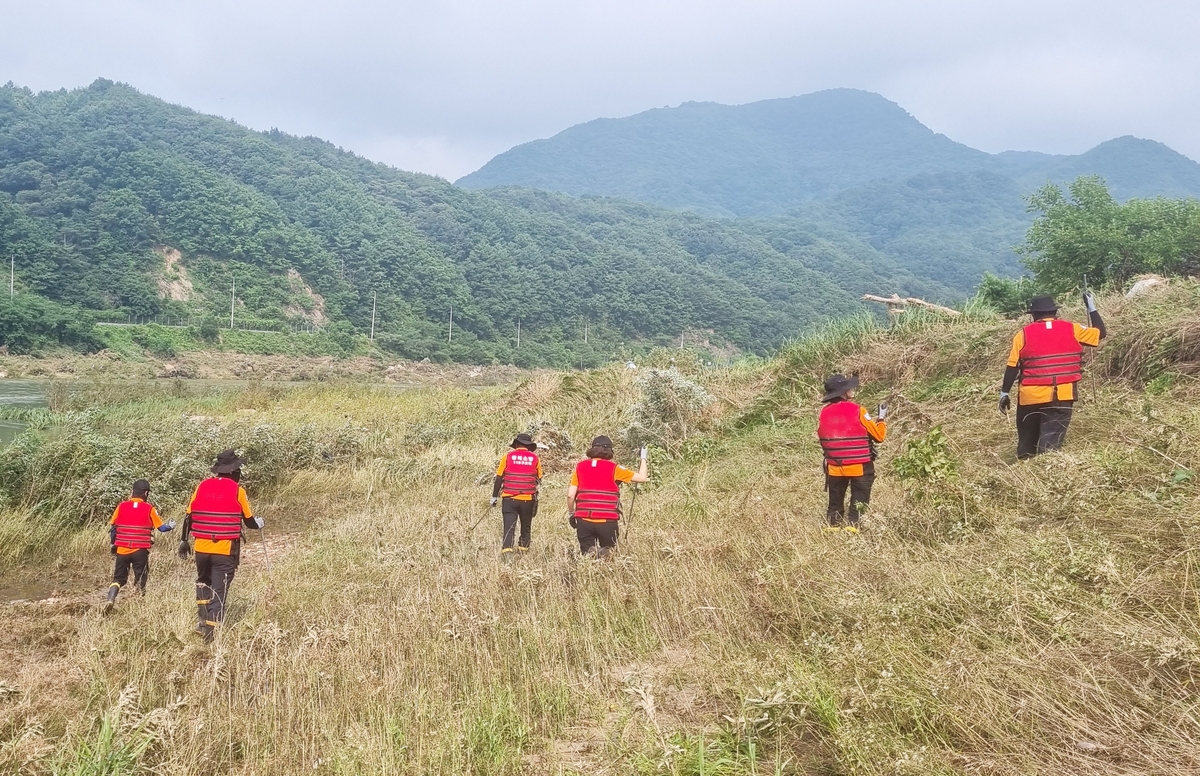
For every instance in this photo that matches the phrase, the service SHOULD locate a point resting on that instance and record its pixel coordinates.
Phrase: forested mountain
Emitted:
(116, 201)
(768, 157)
(841, 160)
(745, 160)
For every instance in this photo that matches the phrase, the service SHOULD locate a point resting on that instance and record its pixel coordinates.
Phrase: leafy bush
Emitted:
(926, 458)
(209, 332)
(29, 323)
(1007, 296)
(666, 411)
(156, 340)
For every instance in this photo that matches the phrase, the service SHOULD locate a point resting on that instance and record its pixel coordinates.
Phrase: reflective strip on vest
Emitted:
(134, 526)
(599, 495)
(1051, 355)
(216, 511)
(520, 474)
(843, 437)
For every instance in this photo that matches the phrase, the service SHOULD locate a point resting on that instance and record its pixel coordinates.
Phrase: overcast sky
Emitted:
(441, 86)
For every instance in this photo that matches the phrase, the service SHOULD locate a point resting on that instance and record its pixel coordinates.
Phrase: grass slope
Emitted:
(996, 617)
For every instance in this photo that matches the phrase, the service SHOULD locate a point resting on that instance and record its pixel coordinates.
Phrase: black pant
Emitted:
(214, 575)
(140, 563)
(513, 510)
(1041, 428)
(860, 495)
(597, 538)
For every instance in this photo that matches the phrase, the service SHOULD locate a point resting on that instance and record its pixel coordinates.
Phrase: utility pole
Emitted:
(585, 332)
(681, 339)
(12, 273)
(518, 334)
(372, 316)
(232, 300)
(451, 337)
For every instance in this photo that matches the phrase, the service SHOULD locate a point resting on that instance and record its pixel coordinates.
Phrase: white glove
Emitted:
(494, 501)
(168, 526)
(1089, 302)
(882, 411)
(645, 453)
(258, 523)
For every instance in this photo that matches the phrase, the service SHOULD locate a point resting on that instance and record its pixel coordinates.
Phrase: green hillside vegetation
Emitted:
(843, 162)
(994, 617)
(1082, 232)
(117, 202)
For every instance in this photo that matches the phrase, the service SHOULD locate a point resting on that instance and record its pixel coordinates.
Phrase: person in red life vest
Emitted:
(848, 435)
(517, 480)
(216, 515)
(1047, 357)
(594, 497)
(130, 535)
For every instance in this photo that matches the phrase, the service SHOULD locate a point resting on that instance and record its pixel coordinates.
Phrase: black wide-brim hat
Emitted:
(524, 440)
(227, 462)
(1042, 305)
(837, 385)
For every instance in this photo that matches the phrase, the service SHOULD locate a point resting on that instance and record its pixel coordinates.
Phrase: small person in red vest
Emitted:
(517, 480)
(1047, 357)
(848, 435)
(216, 515)
(594, 497)
(130, 534)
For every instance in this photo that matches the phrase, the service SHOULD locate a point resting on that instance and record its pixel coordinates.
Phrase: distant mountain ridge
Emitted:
(117, 202)
(770, 157)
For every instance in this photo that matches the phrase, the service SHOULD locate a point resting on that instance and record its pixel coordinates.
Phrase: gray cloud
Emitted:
(442, 86)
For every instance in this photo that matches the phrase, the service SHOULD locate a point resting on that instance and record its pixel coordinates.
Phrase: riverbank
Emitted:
(214, 365)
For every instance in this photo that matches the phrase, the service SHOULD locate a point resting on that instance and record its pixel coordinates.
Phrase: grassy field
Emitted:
(994, 618)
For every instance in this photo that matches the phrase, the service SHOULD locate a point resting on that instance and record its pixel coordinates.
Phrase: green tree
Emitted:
(1085, 231)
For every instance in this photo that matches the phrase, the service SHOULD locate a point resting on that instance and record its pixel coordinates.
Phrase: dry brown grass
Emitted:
(1010, 619)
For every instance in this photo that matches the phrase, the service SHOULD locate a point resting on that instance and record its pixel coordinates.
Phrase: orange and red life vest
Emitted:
(134, 525)
(1052, 354)
(216, 511)
(843, 436)
(520, 473)
(598, 496)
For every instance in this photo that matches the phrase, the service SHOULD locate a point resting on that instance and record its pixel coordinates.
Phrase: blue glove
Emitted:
(168, 526)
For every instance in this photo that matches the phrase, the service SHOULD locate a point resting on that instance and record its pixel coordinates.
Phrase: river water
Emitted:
(19, 393)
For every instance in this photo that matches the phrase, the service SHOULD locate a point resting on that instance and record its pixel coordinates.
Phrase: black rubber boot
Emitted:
(111, 599)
